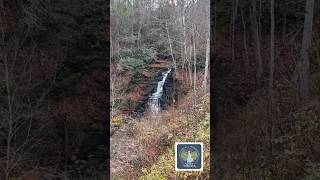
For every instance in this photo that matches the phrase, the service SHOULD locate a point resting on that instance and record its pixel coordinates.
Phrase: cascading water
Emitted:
(154, 100)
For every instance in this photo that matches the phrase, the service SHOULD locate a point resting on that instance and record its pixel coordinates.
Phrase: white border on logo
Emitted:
(176, 156)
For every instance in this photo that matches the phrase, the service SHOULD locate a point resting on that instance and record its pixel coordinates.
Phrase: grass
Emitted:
(191, 126)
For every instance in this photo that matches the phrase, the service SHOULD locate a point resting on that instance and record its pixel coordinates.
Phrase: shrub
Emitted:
(130, 64)
(144, 54)
(193, 125)
(133, 60)
(201, 59)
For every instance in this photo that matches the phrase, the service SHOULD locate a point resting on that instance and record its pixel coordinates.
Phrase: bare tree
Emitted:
(233, 20)
(245, 41)
(194, 58)
(304, 74)
(171, 50)
(18, 101)
(271, 46)
(206, 70)
(141, 6)
(272, 49)
(18, 109)
(184, 35)
(189, 65)
(117, 91)
(207, 63)
(255, 34)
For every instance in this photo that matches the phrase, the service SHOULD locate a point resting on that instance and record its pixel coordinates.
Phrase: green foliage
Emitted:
(134, 59)
(164, 50)
(131, 64)
(145, 54)
(162, 170)
(119, 8)
(131, 103)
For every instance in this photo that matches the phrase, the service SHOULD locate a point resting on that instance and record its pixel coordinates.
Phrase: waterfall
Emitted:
(154, 99)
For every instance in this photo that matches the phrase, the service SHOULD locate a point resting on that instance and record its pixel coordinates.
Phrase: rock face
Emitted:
(165, 99)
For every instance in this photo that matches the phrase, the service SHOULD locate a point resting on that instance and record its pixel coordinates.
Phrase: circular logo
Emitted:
(189, 156)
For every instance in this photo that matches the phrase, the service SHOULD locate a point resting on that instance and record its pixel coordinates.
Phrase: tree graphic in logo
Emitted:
(189, 156)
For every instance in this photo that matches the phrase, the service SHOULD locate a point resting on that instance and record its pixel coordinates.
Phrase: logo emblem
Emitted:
(189, 156)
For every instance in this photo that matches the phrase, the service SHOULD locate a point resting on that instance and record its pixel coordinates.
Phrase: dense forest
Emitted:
(265, 66)
(260, 58)
(53, 57)
(159, 85)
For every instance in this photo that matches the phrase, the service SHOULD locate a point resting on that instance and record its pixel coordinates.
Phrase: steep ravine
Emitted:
(125, 147)
(165, 99)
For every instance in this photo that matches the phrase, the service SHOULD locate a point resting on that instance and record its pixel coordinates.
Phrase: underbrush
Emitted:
(157, 138)
(134, 59)
(254, 143)
(193, 127)
(42, 173)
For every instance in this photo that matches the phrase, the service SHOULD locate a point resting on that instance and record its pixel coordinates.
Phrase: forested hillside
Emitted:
(159, 85)
(266, 89)
(264, 56)
(53, 57)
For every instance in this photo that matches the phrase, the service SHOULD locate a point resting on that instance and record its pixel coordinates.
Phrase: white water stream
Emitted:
(154, 99)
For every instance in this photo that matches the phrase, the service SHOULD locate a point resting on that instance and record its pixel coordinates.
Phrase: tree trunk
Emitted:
(66, 144)
(112, 97)
(304, 78)
(255, 33)
(10, 119)
(271, 74)
(139, 34)
(189, 66)
(185, 52)
(184, 39)
(111, 48)
(207, 63)
(284, 26)
(234, 16)
(194, 61)
(259, 17)
(140, 6)
(173, 60)
(245, 42)
(271, 46)
(214, 26)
